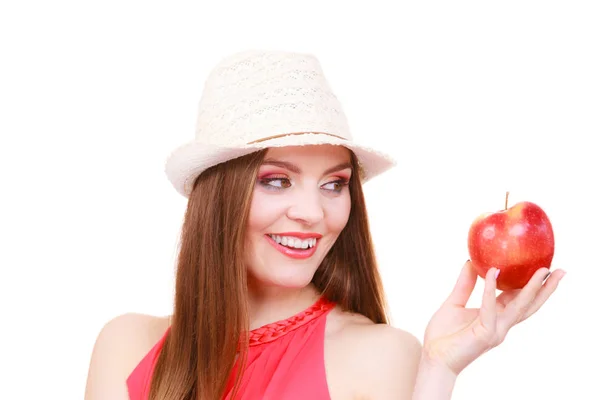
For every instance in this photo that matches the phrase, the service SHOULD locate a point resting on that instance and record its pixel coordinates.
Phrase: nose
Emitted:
(307, 207)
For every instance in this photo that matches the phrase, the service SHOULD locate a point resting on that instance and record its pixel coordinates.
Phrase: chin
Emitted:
(289, 276)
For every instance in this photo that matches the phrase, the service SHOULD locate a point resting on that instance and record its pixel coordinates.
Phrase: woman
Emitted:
(277, 290)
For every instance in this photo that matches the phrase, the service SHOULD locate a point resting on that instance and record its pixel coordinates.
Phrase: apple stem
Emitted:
(506, 202)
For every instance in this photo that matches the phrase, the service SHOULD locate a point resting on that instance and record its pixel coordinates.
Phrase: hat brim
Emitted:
(187, 162)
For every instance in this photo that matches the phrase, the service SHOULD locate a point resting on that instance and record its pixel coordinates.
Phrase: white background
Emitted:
(473, 98)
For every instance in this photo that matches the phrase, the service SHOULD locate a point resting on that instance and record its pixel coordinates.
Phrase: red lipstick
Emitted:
(299, 254)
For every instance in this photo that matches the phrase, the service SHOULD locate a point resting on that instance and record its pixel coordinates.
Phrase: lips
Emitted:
(308, 241)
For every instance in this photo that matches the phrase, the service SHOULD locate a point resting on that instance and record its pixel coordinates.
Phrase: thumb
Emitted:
(464, 286)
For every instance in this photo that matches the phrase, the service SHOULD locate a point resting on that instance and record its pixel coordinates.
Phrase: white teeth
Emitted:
(293, 242)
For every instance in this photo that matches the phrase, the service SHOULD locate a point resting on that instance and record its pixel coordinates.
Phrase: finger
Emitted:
(464, 286)
(507, 296)
(544, 294)
(487, 313)
(516, 309)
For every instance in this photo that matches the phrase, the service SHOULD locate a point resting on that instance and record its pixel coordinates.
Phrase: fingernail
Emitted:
(497, 273)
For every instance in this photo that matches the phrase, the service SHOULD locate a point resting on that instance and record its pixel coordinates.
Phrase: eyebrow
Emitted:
(295, 169)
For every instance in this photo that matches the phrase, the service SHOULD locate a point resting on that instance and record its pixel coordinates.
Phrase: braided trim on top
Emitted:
(275, 330)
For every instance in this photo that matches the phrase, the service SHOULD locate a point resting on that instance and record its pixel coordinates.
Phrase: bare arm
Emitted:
(106, 375)
(405, 372)
(434, 381)
(385, 363)
(121, 344)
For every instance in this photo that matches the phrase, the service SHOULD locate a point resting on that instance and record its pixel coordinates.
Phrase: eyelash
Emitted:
(265, 182)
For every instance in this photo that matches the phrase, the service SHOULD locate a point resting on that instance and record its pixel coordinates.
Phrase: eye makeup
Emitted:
(274, 179)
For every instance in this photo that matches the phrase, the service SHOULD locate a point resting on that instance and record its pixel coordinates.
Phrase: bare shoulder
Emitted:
(366, 336)
(121, 344)
(380, 360)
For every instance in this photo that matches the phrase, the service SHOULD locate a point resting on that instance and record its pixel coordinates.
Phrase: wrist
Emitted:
(431, 362)
(435, 380)
(436, 366)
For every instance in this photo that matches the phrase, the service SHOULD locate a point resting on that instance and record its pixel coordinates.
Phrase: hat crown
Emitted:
(256, 95)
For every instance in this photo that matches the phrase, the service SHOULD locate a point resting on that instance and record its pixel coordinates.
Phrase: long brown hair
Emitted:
(210, 317)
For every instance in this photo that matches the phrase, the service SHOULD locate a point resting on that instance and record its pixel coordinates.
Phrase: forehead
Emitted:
(325, 153)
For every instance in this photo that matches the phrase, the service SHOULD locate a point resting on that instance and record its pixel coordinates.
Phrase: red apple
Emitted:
(518, 240)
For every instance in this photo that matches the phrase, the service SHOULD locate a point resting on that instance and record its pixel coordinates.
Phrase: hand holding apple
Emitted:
(457, 335)
(518, 241)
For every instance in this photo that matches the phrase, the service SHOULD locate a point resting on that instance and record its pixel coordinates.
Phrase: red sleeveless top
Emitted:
(285, 360)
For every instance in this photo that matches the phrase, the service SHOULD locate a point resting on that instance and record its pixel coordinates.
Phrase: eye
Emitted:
(275, 183)
(335, 186)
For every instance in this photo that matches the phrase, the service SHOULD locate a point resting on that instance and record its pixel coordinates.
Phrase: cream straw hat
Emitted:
(258, 99)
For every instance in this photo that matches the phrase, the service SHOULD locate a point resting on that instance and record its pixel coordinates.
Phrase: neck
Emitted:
(271, 304)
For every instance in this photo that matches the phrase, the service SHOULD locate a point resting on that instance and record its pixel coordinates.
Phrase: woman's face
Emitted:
(301, 203)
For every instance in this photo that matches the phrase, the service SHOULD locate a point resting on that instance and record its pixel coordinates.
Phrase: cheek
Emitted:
(338, 213)
(264, 211)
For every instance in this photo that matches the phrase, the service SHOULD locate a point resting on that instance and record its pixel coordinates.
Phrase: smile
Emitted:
(298, 246)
